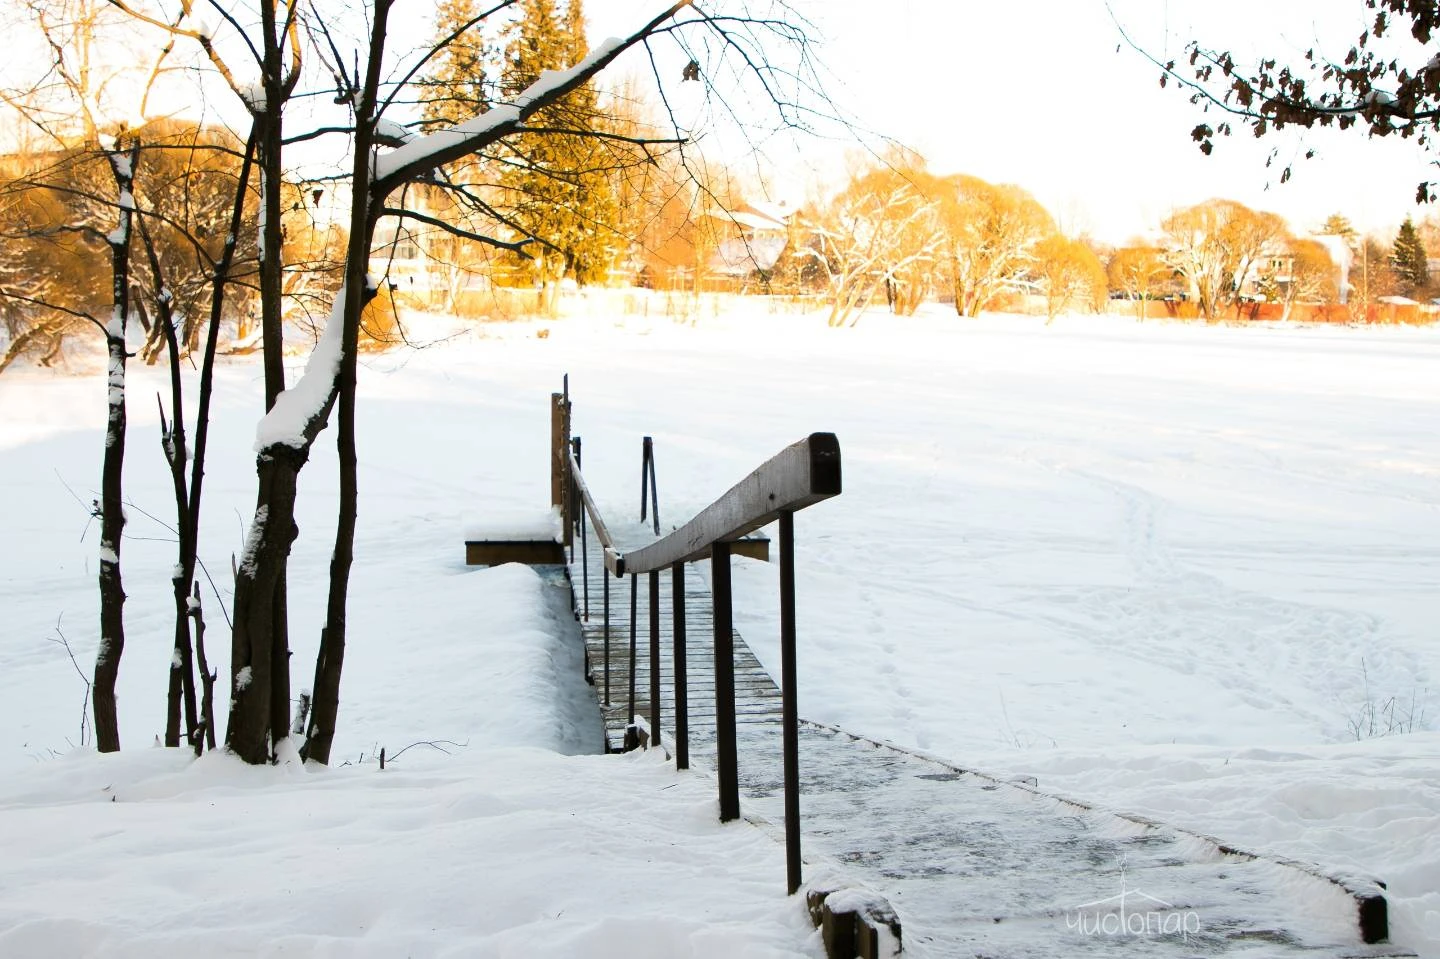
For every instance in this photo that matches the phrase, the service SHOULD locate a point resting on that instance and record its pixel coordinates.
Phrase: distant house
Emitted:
(720, 249)
(1274, 270)
(760, 233)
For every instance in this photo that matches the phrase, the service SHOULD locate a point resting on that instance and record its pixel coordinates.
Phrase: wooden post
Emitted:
(789, 713)
(682, 707)
(726, 761)
(560, 463)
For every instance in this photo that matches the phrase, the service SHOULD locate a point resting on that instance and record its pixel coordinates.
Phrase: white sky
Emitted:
(1035, 92)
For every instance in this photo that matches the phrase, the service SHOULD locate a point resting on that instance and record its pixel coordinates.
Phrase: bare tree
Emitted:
(991, 232)
(1310, 275)
(1141, 273)
(295, 427)
(112, 513)
(1215, 245)
(1067, 272)
(882, 231)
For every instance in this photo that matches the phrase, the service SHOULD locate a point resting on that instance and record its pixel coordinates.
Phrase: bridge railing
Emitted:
(803, 474)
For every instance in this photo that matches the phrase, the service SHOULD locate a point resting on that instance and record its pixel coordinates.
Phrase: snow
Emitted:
(261, 215)
(255, 98)
(295, 408)
(252, 541)
(1163, 568)
(521, 525)
(391, 130)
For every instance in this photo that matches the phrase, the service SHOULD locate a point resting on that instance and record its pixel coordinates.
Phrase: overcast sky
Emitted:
(1035, 92)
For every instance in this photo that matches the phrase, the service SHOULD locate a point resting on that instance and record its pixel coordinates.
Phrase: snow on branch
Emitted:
(299, 411)
(443, 146)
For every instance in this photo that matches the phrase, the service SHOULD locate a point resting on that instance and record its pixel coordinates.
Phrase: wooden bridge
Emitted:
(967, 864)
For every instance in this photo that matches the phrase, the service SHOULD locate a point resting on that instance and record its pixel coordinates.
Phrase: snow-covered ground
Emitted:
(1167, 568)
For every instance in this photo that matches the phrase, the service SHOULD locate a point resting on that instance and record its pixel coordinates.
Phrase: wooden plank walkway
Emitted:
(757, 697)
(972, 866)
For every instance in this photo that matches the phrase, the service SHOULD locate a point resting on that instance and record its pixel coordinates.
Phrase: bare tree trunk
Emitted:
(112, 515)
(172, 442)
(207, 680)
(258, 587)
(190, 549)
(260, 650)
(330, 660)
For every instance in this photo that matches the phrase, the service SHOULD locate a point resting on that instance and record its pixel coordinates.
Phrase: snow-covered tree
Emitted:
(1141, 272)
(882, 231)
(1216, 246)
(1069, 274)
(991, 232)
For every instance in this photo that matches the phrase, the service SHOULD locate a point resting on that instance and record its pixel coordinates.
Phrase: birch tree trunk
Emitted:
(112, 514)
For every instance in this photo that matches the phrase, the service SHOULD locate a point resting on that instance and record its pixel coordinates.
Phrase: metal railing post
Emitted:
(630, 715)
(579, 511)
(682, 708)
(654, 657)
(789, 712)
(726, 761)
(605, 631)
(647, 478)
(646, 451)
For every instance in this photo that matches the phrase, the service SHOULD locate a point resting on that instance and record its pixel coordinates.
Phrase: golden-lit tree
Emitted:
(1310, 275)
(1216, 246)
(883, 231)
(1141, 273)
(1068, 274)
(991, 232)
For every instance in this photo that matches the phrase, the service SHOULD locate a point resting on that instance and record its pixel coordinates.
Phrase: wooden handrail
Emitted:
(800, 475)
(614, 562)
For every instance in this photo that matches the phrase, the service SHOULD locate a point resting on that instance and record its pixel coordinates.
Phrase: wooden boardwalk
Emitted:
(973, 866)
(757, 697)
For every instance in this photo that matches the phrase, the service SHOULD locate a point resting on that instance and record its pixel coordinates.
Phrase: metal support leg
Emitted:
(726, 763)
(605, 631)
(654, 657)
(790, 717)
(630, 715)
(682, 708)
(584, 566)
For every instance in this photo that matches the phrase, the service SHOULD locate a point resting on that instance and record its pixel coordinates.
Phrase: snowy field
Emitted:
(1179, 571)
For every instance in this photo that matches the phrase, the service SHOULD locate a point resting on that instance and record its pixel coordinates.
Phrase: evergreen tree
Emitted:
(1337, 224)
(1408, 259)
(560, 182)
(463, 83)
(556, 186)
